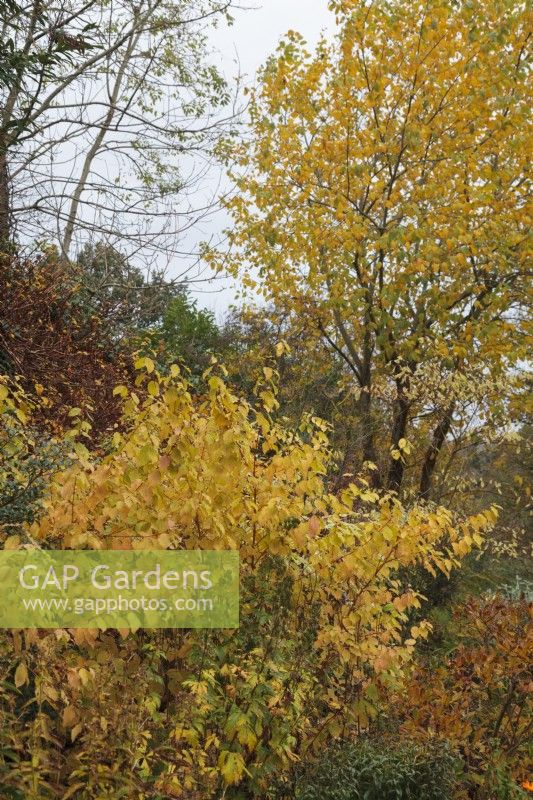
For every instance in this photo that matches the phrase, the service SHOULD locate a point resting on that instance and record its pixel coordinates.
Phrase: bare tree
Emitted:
(108, 121)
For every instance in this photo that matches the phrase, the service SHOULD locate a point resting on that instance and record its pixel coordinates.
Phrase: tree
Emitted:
(383, 201)
(126, 300)
(102, 109)
(144, 311)
(186, 333)
(13, 59)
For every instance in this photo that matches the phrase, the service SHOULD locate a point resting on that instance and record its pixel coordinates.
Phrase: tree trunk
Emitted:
(5, 205)
(366, 428)
(399, 427)
(432, 453)
(367, 432)
(95, 147)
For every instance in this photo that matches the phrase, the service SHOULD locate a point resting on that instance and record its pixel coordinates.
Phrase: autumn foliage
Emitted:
(58, 351)
(383, 202)
(324, 617)
(357, 450)
(479, 699)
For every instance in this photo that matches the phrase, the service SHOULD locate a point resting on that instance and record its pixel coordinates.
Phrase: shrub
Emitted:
(479, 699)
(324, 629)
(54, 347)
(380, 770)
(28, 459)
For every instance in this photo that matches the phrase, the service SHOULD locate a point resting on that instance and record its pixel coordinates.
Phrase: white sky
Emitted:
(251, 39)
(255, 33)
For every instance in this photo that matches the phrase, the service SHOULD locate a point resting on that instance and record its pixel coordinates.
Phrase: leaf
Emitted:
(145, 363)
(70, 716)
(21, 415)
(85, 676)
(404, 445)
(21, 675)
(146, 455)
(12, 543)
(164, 462)
(269, 400)
(247, 737)
(75, 732)
(72, 790)
(232, 766)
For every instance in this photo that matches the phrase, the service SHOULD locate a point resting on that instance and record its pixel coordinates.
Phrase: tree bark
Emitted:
(5, 139)
(432, 453)
(367, 424)
(95, 147)
(399, 427)
(5, 204)
(367, 433)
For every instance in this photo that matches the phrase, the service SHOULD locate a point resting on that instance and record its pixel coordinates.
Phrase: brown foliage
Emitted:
(480, 698)
(56, 348)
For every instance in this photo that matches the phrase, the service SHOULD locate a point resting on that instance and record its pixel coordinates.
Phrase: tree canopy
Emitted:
(383, 201)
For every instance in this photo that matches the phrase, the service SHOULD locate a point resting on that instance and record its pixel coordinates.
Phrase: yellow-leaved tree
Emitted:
(383, 207)
(324, 629)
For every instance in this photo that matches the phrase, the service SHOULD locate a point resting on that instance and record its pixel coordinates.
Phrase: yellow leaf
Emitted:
(21, 415)
(70, 716)
(145, 363)
(12, 543)
(21, 675)
(85, 676)
(75, 732)
(247, 737)
(231, 766)
(72, 790)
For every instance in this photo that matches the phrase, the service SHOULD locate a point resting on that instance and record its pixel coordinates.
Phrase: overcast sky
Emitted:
(256, 33)
(252, 38)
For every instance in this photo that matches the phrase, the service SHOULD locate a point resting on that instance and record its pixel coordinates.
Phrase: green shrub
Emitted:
(378, 770)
